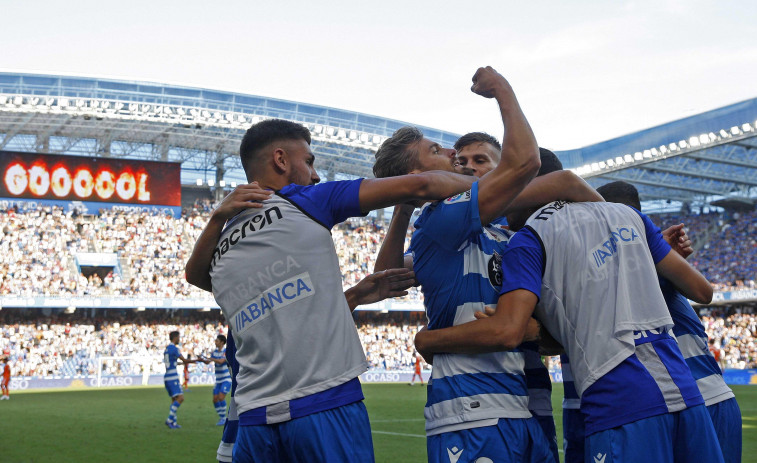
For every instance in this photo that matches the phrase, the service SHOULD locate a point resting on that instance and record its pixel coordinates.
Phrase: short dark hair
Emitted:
(221, 338)
(549, 162)
(477, 137)
(264, 133)
(395, 157)
(172, 335)
(621, 192)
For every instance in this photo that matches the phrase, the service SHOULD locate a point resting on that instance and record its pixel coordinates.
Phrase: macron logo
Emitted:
(600, 458)
(454, 454)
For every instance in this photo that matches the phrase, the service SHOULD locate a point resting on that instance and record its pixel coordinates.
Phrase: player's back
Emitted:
(601, 299)
(693, 342)
(170, 358)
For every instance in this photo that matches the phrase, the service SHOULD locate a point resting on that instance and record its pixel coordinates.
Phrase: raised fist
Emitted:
(487, 82)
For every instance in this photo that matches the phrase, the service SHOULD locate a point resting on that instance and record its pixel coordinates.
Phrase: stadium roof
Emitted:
(705, 159)
(200, 128)
(709, 158)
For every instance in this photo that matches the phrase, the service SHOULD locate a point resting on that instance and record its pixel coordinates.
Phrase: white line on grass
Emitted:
(398, 434)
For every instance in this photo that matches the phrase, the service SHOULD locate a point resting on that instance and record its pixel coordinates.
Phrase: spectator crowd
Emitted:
(38, 257)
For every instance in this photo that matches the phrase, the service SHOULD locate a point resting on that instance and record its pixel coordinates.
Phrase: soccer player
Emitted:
(5, 382)
(476, 404)
(171, 356)
(591, 269)
(418, 361)
(223, 378)
(275, 275)
(692, 339)
(373, 288)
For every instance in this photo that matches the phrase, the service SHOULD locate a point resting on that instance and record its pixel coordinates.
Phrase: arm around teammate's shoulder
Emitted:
(377, 193)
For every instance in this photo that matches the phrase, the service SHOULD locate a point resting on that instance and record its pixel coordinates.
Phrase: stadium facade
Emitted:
(702, 161)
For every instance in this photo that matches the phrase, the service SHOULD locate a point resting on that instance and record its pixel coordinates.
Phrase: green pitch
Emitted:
(126, 425)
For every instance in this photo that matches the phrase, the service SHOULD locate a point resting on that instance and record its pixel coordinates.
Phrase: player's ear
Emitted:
(280, 159)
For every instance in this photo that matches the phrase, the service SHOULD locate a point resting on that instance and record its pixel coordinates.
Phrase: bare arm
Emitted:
(504, 330)
(550, 187)
(520, 152)
(376, 193)
(379, 286)
(197, 269)
(392, 248)
(685, 278)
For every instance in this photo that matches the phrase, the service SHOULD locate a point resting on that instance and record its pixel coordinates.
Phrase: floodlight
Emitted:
(619, 160)
(655, 152)
(682, 144)
(724, 134)
(48, 102)
(364, 137)
(704, 138)
(353, 135)
(18, 100)
(602, 165)
(222, 183)
(233, 184)
(638, 156)
(673, 147)
(330, 131)
(342, 133)
(628, 158)
(647, 154)
(712, 136)
(376, 140)
(199, 182)
(255, 120)
(610, 163)
(140, 309)
(211, 182)
(693, 141)
(594, 167)
(746, 128)
(735, 131)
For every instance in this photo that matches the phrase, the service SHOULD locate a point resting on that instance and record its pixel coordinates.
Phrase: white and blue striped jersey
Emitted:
(458, 262)
(693, 342)
(592, 265)
(570, 400)
(222, 369)
(170, 357)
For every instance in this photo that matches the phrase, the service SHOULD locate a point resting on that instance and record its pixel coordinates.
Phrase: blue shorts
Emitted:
(341, 434)
(173, 388)
(680, 437)
(726, 417)
(222, 388)
(547, 424)
(516, 440)
(573, 435)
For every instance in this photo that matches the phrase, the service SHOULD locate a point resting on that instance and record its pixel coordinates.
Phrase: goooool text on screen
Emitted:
(74, 178)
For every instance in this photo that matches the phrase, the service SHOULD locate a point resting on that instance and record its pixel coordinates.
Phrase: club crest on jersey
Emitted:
(458, 198)
(494, 266)
(622, 235)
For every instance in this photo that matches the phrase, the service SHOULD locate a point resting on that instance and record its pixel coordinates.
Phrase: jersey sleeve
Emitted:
(524, 266)
(328, 203)
(657, 244)
(453, 220)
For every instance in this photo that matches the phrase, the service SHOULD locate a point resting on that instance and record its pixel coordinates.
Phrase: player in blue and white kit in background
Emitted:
(223, 378)
(693, 341)
(231, 425)
(275, 275)
(171, 356)
(591, 269)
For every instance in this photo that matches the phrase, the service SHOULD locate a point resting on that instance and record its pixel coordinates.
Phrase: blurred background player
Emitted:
(417, 372)
(223, 378)
(171, 356)
(692, 339)
(185, 375)
(5, 382)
